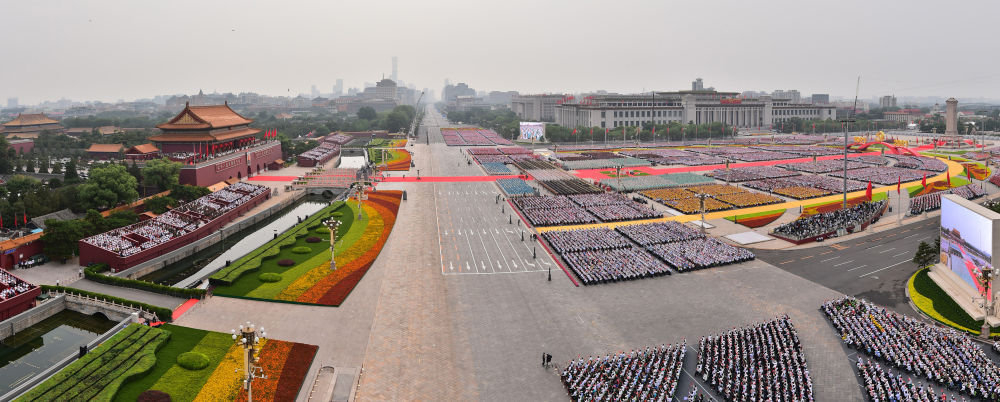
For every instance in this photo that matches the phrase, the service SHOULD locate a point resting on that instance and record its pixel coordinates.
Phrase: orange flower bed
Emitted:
(401, 163)
(286, 365)
(758, 221)
(334, 288)
(832, 206)
(978, 172)
(933, 187)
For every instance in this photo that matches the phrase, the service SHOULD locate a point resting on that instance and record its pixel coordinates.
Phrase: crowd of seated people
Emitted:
(823, 166)
(496, 168)
(884, 175)
(585, 239)
(924, 203)
(661, 232)
(699, 253)
(12, 286)
(761, 362)
(572, 215)
(919, 162)
(994, 179)
(629, 211)
(943, 356)
(515, 187)
(614, 265)
(135, 238)
(825, 223)
(749, 173)
(748, 199)
(639, 375)
(881, 385)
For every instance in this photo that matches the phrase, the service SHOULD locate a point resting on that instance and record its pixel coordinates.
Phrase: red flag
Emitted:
(654, 130)
(574, 132)
(899, 182)
(949, 179)
(924, 181)
(968, 172)
(868, 192)
(591, 132)
(1, 221)
(25, 218)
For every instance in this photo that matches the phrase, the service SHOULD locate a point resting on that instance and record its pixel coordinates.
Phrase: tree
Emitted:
(60, 238)
(397, 121)
(135, 171)
(56, 168)
(188, 193)
(54, 182)
(70, 174)
(109, 185)
(43, 164)
(367, 113)
(925, 254)
(158, 205)
(30, 165)
(161, 174)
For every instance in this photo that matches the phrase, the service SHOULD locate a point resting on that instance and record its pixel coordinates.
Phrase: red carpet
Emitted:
(433, 179)
(272, 178)
(183, 308)
(596, 173)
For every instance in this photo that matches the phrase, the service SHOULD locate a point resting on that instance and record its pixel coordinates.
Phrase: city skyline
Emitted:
(280, 50)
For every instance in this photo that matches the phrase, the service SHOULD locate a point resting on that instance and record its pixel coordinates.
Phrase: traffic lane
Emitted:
(875, 267)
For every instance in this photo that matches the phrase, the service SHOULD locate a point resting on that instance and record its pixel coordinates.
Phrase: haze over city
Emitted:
(89, 50)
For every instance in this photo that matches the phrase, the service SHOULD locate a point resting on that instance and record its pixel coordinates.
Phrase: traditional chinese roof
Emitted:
(205, 117)
(30, 119)
(110, 148)
(143, 149)
(204, 137)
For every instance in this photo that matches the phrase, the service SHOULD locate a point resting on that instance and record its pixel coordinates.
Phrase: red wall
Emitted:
(90, 254)
(23, 147)
(231, 167)
(19, 304)
(11, 257)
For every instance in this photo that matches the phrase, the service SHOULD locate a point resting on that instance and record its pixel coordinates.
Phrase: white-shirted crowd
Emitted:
(639, 375)
(699, 253)
(881, 385)
(133, 239)
(761, 362)
(614, 265)
(827, 223)
(943, 356)
(12, 286)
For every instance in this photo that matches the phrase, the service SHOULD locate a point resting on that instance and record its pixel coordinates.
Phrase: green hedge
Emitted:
(269, 277)
(247, 263)
(943, 303)
(164, 314)
(93, 273)
(100, 373)
(301, 250)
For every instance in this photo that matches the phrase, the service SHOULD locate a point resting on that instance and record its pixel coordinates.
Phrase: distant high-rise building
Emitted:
(697, 85)
(314, 92)
(887, 102)
(792, 95)
(338, 89)
(12, 102)
(821, 99)
(395, 70)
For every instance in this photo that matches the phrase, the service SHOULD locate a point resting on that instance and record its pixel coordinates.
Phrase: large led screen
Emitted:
(966, 242)
(530, 130)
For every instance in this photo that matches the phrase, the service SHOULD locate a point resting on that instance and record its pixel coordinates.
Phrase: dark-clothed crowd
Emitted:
(639, 375)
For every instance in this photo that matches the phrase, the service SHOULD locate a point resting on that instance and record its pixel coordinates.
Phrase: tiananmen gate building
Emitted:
(215, 143)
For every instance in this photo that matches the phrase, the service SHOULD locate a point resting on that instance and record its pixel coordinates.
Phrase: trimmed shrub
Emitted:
(192, 360)
(313, 239)
(322, 229)
(269, 277)
(270, 253)
(301, 250)
(152, 395)
(286, 262)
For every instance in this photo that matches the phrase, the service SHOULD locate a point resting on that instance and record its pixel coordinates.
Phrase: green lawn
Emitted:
(266, 257)
(181, 384)
(933, 301)
(754, 215)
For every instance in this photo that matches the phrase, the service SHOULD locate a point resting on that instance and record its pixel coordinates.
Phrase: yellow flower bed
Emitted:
(368, 238)
(926, 305)
(226, 381)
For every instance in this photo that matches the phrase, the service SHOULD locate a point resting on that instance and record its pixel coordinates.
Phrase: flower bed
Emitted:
(284, 363)
(396, 159)
(311, 281)
(758, 219)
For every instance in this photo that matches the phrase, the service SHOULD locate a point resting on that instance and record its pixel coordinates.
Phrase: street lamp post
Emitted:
(333, 224)
(249, 337)
(701, 198)
(847, 124)
(986, 302)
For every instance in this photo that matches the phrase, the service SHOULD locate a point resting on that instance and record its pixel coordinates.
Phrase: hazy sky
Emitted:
(126, 49)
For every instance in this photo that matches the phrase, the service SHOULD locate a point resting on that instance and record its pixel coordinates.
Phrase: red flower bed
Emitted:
(286, 262)
(758, 221)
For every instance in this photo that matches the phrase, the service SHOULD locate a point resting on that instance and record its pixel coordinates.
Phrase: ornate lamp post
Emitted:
(332, 224)
(701, 198)
(249, 338)
(986, 302)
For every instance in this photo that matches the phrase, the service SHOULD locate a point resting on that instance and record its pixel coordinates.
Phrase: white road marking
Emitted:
(451, 266)
(828, 259)
(897, 255)
(887, 250)
(858, 267)
(883, 269)
(845, 262)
